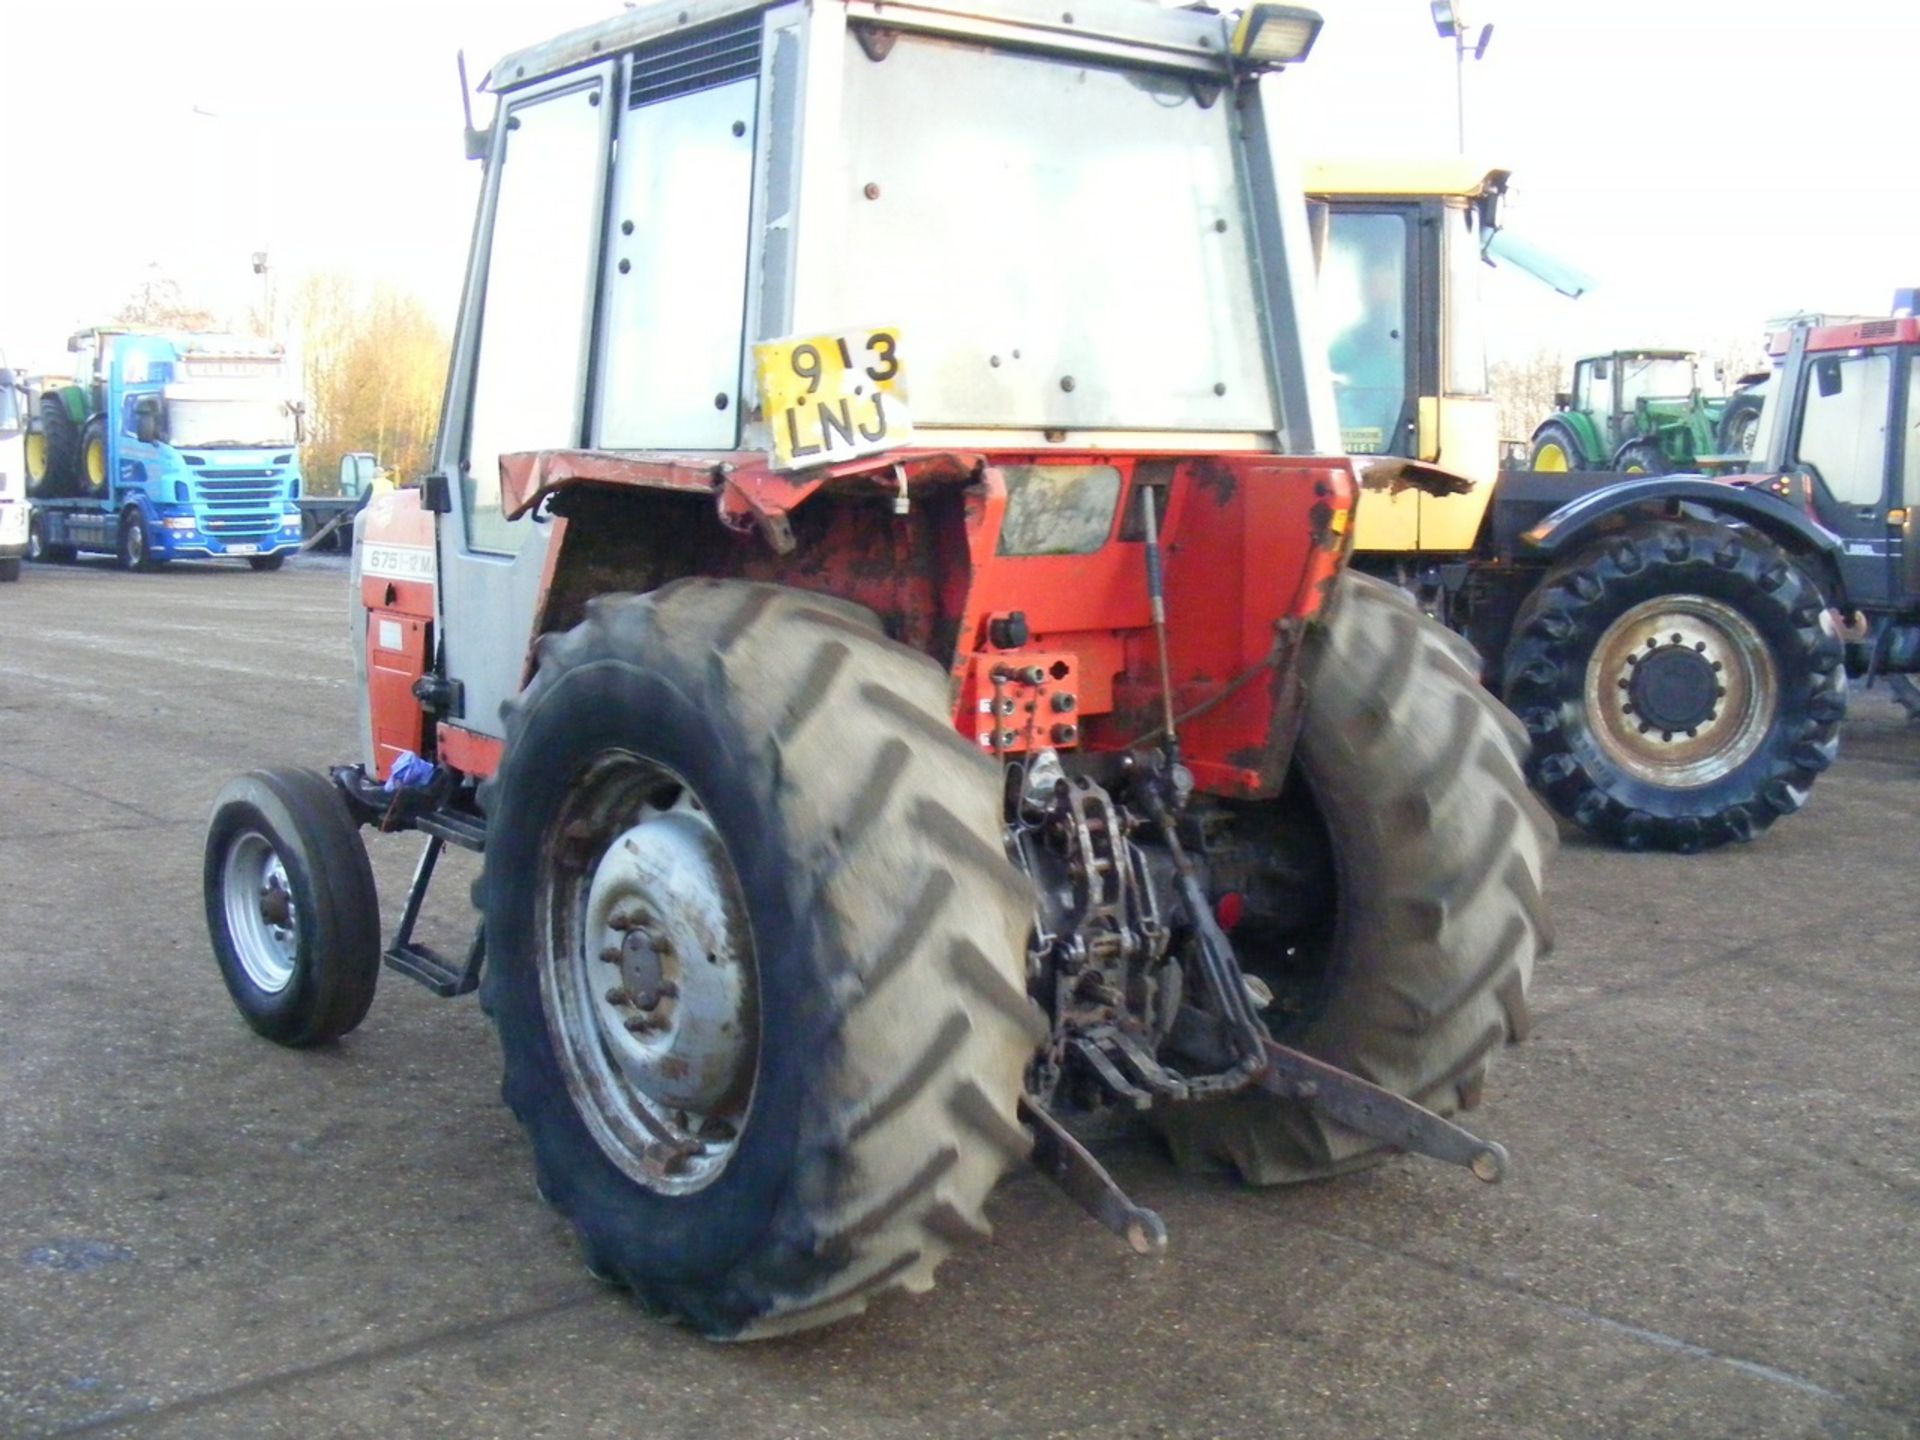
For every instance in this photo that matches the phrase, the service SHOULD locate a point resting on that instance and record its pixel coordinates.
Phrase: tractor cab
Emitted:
(1401, 246)
(1836, 434)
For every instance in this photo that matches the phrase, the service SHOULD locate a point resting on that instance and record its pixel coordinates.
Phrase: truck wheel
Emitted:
(266, 562)
(1678, 685)
(1640, 457)
(1556, 449)
(1438, 853)
(9, 570)
(93, 456)
(136, 545)
(62, 438)
(38, 550)
(755, 954)
(291, 906)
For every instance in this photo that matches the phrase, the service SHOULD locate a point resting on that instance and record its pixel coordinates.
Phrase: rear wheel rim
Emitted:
(1551, 457)
(96, 463)
(648, 973)
(36, 456)
(262, 919)
(1682, 690)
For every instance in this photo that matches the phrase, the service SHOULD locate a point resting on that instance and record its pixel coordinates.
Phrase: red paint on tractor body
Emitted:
(1252, 544)
(397, 576)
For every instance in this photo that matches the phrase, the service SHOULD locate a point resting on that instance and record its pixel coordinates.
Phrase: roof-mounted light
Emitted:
(1269, 36)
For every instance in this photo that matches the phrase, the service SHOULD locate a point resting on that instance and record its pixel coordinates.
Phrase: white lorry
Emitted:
(13, 480)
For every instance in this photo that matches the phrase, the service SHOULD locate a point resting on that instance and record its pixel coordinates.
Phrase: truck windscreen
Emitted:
(211, 424)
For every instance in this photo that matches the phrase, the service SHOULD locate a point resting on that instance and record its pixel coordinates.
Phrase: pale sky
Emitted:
(1711, 164)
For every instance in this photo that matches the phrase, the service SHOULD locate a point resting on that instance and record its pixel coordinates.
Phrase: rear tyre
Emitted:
(1640, 457)
(1678, 686)
(755, 954)
(266, 562)
(291, 906)
(1556, 449)
(136, 542)
(1438, 855)
(38, 550)
(93, 456)
(61, 434)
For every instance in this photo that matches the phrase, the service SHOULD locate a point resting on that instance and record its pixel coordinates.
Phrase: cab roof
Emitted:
(1138, 29)
(1449, 176)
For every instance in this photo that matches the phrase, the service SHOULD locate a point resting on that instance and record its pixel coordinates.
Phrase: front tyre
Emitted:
(1678, 684)
(1438, 856)
(755, 954)
(1640, 457)
(291, 906)
(266, 562)
(136, 541)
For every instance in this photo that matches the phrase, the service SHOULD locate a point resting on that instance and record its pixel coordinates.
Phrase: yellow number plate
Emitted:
(833, 397)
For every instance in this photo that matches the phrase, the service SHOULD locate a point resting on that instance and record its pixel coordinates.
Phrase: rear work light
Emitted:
(1269, 36)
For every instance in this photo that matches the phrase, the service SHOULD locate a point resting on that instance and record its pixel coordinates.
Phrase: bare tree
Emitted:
(1523, 391)
(158, 302)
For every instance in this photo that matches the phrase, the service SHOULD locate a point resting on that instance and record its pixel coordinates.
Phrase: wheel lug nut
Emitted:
(618, 995)
(640, 1024)
(611, 954)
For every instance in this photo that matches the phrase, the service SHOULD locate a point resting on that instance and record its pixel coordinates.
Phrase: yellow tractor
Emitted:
(1660, 636)
(1401, 246)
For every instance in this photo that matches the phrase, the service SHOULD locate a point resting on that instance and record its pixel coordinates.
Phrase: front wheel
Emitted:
(1438, 854)
(266, 562)
(1679, 686)
(1640, 457)
(9, 570)
(755, 954)
(291, 906)
(136, 542)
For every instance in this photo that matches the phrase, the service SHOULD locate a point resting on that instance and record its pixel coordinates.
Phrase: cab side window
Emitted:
(1843, 432)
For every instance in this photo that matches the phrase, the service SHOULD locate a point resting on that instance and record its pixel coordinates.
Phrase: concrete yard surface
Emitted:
(1712, 1228)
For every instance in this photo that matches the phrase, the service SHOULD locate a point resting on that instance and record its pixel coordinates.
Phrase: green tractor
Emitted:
(1636, 411)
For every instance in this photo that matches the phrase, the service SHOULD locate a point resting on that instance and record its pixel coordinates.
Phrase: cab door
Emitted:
(1843, 442)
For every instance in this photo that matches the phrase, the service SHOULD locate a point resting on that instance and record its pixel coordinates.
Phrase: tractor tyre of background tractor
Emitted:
(93, 456)
(1679, 685)
(34, 456)
(1739, 425)
(1640, 457)
(755, 953)
(62, 436)
(1438, 853)
(1556, 449)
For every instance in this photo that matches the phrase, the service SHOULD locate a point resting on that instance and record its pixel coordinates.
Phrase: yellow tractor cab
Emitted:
(1401, 244)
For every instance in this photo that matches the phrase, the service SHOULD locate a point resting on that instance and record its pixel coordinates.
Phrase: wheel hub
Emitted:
(1681, 690)
(262, 918)
(650, 975)
(1674, 687)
